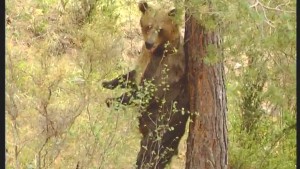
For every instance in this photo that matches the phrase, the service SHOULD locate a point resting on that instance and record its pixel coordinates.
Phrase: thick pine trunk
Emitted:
(207, 141)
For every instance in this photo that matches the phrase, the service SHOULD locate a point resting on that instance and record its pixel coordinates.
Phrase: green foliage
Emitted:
(55, 107)
(259, 43)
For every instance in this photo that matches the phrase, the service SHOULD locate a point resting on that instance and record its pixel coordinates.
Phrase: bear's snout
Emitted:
(149, 44)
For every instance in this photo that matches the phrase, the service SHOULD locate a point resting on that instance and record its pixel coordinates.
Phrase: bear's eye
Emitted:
(148, 28)
(160, 31)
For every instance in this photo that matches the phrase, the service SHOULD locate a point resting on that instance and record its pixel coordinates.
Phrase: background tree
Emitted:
(259, 46)
(207, 142)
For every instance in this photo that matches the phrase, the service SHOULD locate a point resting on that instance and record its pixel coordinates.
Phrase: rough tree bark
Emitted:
(207, 139)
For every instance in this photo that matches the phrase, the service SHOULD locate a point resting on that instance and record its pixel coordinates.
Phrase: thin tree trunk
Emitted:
(207, 139)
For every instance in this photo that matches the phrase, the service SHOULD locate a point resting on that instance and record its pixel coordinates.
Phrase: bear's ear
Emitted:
(143, 6)
(172, 12)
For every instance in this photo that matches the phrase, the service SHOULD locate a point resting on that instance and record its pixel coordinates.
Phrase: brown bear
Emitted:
(164, 113)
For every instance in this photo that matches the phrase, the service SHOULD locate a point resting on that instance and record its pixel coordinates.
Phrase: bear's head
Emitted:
(159, 28)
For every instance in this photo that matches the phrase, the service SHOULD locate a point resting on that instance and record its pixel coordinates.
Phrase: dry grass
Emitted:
(47, 49)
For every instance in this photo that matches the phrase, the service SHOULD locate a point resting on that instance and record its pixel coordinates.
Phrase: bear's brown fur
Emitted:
(162, 62)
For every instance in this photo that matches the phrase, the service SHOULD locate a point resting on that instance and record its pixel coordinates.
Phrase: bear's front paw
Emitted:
(107, 85)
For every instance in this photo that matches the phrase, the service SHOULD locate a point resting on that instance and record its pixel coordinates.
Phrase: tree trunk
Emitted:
(207, 140)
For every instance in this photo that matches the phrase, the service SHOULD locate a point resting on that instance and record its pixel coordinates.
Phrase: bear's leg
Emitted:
(157, 150)
(126, 80)
(148, 157)
(171, 139)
